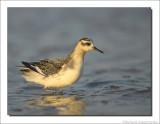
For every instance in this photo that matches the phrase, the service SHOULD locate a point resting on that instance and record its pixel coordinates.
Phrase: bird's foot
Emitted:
(49, 90)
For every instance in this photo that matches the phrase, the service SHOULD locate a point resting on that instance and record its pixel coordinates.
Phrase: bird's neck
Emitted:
(77, 59)
(77, 53)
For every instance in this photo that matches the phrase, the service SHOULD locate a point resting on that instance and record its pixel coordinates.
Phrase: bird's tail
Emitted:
(24, 67)
(25, 70)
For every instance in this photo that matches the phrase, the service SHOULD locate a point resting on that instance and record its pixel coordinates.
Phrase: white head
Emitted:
(86, 44)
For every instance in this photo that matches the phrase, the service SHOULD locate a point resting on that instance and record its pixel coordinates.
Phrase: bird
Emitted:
(59, 72)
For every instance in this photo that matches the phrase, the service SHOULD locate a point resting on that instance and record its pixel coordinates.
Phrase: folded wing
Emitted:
(45, 67)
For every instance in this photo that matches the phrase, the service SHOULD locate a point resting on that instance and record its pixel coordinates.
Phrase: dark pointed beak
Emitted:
(95, 48)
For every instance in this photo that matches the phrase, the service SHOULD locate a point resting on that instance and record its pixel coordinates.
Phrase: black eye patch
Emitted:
(86, 44)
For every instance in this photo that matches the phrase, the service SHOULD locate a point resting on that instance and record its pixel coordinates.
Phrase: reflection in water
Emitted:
(65, 105)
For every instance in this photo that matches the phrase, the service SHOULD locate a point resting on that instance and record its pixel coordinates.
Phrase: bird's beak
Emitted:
(95, 48)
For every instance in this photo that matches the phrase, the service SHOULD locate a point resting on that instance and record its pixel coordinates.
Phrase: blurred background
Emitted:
(117, 82)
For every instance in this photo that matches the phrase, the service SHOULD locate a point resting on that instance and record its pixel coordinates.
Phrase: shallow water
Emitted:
(117, 82)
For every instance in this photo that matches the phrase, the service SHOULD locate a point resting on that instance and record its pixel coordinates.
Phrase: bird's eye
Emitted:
(88, 44)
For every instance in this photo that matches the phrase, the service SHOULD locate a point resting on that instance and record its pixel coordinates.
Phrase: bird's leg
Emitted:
(61, 90)
(44, 88)
(48, 90)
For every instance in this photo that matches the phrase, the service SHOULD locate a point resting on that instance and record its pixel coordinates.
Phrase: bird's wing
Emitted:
(47, 66)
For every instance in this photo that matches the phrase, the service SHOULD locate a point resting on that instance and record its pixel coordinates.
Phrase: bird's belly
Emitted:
(64, 78)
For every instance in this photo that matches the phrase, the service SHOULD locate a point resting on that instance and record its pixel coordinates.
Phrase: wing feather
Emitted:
(48, 66)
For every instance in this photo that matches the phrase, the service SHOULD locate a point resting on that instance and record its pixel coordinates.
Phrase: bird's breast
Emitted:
(73, 73)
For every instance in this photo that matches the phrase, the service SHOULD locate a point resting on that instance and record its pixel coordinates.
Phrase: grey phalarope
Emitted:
(58, 72)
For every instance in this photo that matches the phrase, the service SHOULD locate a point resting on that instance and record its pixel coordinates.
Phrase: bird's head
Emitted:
(86, 44)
